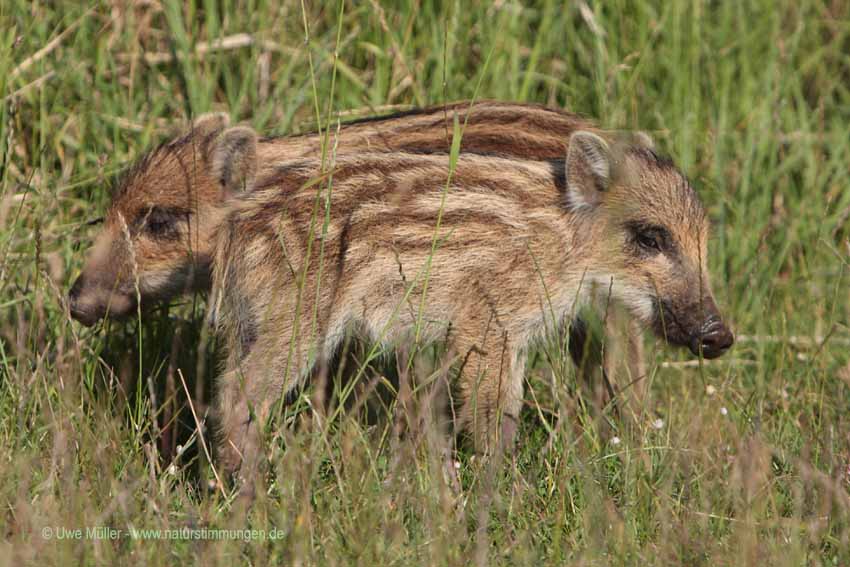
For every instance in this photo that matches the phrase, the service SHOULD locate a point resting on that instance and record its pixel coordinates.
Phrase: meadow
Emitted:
(743, 460)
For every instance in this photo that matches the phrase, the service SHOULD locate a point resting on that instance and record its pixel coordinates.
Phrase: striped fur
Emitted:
(179, 178)
(181, 181)
(513, 257)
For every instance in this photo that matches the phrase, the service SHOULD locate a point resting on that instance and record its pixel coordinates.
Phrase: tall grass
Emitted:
(745, 460)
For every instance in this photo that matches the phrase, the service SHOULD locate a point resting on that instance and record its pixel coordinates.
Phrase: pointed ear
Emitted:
(206, 124)
(234, 159)
(645, 140)
(588, 169)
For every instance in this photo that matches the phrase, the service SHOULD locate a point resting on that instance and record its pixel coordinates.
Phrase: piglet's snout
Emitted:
(713, 340)
(79, 310)
(90, 301)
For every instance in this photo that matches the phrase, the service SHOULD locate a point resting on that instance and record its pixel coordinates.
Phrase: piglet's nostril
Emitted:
(711, 324)
(716, 339)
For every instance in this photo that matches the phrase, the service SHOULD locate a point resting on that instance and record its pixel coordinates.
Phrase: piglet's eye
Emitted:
(648, 241)
(651, 239)
(161, 223)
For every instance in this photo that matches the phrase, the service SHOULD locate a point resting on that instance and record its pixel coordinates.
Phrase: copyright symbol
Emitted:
(47, 532)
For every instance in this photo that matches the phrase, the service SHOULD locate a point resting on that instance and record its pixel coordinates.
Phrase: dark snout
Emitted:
(713, 339)
(696, 326)
(81, 313)
(90, 302)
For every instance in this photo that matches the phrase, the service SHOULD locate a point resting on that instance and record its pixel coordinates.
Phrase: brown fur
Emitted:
(520, 246)
(179, 187)
(183, 183)
(182, 180)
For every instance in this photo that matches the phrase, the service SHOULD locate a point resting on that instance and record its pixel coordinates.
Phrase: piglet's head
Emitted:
(155, 243)
(651, 235)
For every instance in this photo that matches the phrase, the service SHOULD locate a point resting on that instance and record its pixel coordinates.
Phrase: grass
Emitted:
(745, 460)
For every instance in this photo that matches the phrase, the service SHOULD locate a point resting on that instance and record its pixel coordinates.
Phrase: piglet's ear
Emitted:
(234, 159)
(588, 169)
(644, 140)
(209, 123)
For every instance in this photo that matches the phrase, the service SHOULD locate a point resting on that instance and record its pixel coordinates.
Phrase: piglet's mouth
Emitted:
(118, 307)
(90, 303)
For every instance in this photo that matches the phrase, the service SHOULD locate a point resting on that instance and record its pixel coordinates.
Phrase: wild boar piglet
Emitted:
(489, 257)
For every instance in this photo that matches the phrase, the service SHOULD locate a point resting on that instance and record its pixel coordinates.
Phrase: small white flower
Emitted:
(724, 411)
(211, 484)
(615, 440)
(179, 450)
(658, 423)
(172, 470)
(710, 390)
(457, 465)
